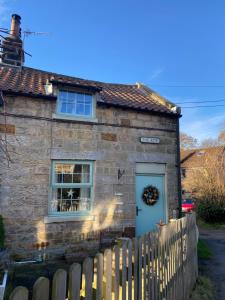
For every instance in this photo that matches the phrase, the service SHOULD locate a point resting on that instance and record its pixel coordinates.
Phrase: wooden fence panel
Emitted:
(19, 293)
(59, 285)
(41, 289)
(159, 265)
(74, 282)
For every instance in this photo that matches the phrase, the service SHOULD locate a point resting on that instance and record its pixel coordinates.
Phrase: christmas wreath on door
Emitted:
(150, 195)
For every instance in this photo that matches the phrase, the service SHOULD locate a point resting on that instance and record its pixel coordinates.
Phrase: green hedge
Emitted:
(2, 233)
(211, 211)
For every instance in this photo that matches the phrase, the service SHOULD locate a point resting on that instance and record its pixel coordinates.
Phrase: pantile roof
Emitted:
(32, 82)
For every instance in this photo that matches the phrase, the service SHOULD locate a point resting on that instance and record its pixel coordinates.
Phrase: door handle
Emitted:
(137, 210)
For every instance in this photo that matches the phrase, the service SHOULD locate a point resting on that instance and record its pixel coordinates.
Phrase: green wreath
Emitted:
(150, 195)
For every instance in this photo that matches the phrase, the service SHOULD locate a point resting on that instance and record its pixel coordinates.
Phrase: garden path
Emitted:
(214, 268)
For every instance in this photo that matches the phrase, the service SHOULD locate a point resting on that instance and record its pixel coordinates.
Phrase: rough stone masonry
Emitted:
(112, 143)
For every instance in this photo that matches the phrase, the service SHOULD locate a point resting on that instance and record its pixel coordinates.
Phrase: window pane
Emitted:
(80, 98)
(59, 173)
(70, 107)
(87, 110)
(71, 199)
(71, 96)
(80, 109)
(88, 99)
(63, 95)
(85, 173)
(81, 174)
(63, 108)
(77, 173)
(64, 173)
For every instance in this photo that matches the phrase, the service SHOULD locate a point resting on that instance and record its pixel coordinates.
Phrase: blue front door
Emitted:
(147, 216)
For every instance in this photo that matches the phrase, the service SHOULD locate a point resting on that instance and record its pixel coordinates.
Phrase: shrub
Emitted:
(204, 289)
(2, 233)
(211, 211)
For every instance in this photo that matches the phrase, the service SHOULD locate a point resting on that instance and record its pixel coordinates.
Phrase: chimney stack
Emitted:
(12, 53)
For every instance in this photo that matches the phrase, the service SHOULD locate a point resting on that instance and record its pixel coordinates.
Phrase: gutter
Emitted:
(143, 110)
(39, 96)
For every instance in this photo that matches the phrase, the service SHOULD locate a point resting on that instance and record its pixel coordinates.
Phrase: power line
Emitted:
(203, 101)
(188, 86)
(203, 106)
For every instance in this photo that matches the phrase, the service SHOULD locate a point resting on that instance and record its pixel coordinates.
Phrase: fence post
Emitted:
(140, 268)
(59, 285)
(74, 282)
(135, 246)
(108, 273)
(41, 289)
(19, 293)
(124, 269)
(88, 273)
(99, 276)
(117, 272)
(130, 270)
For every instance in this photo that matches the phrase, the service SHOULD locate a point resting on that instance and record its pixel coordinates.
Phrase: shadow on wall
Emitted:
(106, 216)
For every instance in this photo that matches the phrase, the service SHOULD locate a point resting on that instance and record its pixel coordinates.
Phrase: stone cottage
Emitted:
(83, 155)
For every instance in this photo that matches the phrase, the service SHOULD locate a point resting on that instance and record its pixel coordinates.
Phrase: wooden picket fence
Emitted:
(159, 265)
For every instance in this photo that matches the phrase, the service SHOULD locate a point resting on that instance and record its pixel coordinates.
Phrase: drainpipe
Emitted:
(178, 164)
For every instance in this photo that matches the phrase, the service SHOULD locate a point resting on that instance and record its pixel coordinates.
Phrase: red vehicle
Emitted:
(188, 205)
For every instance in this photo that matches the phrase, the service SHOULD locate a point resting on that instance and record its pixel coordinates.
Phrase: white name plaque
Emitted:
(150, 140)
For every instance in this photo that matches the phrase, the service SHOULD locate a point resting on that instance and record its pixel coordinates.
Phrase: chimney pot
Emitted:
(15, 26)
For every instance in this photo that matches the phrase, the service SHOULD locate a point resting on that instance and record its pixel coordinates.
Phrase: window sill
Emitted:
(74, 118)
(60, 219)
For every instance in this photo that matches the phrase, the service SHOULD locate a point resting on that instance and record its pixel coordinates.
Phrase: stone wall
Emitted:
(113, 143)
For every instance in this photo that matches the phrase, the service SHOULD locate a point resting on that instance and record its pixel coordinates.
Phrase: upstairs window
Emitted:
(71, 187)
(75, 104)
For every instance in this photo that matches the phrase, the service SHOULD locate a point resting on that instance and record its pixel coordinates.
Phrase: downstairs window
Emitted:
(71, 187)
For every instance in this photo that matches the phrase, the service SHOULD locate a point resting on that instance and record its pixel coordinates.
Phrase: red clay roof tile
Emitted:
(32, 81)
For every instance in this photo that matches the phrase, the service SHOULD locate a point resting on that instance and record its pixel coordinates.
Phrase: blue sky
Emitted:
(176, 47)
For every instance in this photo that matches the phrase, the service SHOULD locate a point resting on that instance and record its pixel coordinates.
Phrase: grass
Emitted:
(203, 250)
(204, 289)
(201, 223)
